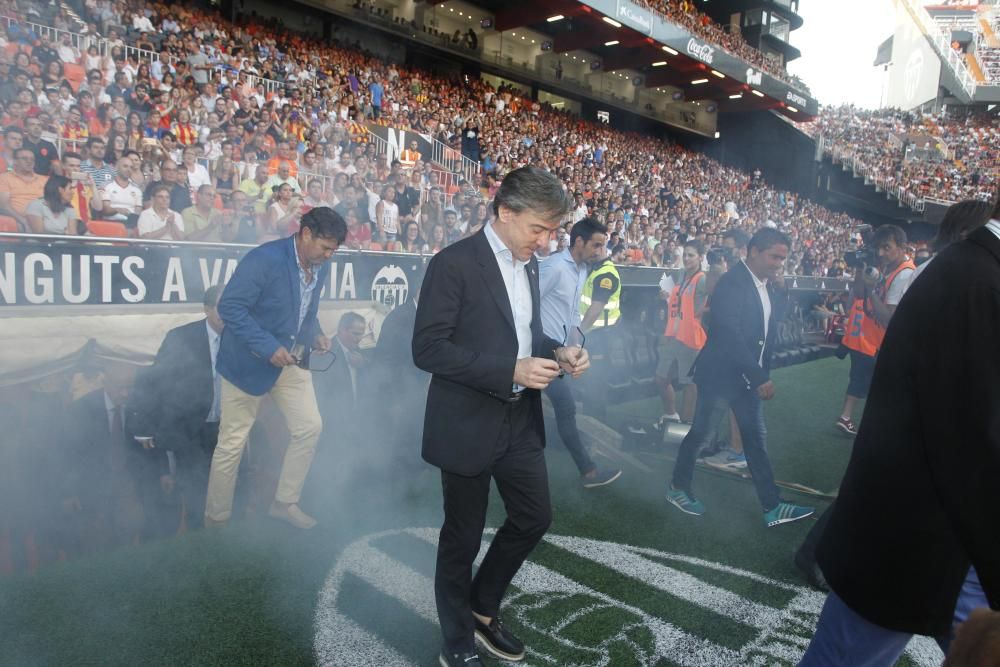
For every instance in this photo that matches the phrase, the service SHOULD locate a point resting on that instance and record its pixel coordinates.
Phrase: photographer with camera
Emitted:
(684, 336)
(874, 297)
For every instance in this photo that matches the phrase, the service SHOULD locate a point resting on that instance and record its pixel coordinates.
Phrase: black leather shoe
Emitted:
(498, 641)
(447, 659)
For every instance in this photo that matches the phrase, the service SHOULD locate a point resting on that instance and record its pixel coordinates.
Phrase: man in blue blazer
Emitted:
(269, 309)
(733, 371)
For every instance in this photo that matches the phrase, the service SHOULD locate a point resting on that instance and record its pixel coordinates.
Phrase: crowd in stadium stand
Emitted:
(989, 56)
(241, 164)
(685, 13)
(947, 157)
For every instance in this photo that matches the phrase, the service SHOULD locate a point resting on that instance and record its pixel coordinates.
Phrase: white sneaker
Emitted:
(676, 418)
(293, 515)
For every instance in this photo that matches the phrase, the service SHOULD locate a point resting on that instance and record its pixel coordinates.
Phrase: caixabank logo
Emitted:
(592, 604)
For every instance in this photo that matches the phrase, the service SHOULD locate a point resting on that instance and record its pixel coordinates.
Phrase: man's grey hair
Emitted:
(536, 190)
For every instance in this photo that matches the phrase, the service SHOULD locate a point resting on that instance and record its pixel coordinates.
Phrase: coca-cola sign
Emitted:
(701, 51)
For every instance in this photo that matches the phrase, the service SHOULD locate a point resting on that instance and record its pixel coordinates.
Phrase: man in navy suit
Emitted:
(478, 331)
(181, 399)
(733, 371)
(269, 310)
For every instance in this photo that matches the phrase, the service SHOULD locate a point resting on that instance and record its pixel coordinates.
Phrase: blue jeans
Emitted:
(749, 412)
(845, 639)
(971, 597)
(561, 395)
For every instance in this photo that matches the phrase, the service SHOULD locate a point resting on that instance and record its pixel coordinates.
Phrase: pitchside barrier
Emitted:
(60, 295)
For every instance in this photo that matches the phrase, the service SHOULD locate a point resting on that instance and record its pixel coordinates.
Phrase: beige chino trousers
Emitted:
(296, 398)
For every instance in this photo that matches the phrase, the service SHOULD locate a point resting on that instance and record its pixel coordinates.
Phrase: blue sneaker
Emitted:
(684, 502)
(736, 459)
(786, 513)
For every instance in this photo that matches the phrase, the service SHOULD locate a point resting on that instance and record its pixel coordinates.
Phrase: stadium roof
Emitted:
(626, 36)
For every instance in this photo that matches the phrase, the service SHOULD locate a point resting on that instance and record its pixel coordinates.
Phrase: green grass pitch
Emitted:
(622, 579)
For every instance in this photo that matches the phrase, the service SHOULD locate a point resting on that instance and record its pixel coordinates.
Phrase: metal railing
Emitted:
(83, 42)
(942, 44)
(77, 40)
(874, 176)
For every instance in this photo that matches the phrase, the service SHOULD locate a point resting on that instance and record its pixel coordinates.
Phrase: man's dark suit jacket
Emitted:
(921, 495)
(729, 361)
(176, 393)
(392, 359)
(89, 442)
(334, 396)
(464, 336)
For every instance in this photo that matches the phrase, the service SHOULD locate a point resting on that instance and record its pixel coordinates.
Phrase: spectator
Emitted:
(410, 240)
(159, 221)
(20, 187)
(197, 175)
(54, 213)
(283, 177)
(122, 200)
(387, 215)
(94, 166)
(203, 222)
(66, 51)
(285, 210)
(83, 188)
(45, 151)
(256, 190)
(13, 138)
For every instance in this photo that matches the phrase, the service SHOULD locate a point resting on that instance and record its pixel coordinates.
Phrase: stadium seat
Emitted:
(107, 228)
(75, 74)
(8, 224)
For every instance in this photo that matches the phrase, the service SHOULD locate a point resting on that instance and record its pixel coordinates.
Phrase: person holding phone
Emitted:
(478, 331)
(269, 309)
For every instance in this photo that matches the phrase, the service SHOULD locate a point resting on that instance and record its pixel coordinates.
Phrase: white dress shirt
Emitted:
(765, 304)
(111, 409)
(213, 348)
(994, 226)
(515, 279)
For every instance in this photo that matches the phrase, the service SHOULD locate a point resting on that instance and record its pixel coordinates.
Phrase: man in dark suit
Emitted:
(341, 389)
(182, 398)
(919, 502)
(479, 333)
(269, 308)
(733, 371)
(114, 481)
(393, 374)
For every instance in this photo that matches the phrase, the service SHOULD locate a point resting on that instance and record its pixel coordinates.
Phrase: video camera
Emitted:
(867, 253)
(721, 254)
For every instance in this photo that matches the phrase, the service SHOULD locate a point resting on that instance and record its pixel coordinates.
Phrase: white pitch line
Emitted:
(675, 582)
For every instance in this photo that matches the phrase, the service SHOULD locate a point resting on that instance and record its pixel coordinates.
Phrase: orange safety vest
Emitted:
(863, 333)
(409, 158)
(682, 321)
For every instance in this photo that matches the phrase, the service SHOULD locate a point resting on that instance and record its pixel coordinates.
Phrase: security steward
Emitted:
(600, 305)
